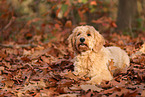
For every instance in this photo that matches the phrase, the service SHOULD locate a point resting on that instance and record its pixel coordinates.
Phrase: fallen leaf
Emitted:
(26, 52)
(68, 95)
(111, 67)
(68, 24)
(38, 53)
(143, 93)
(2, 68)
(25, 59)
(46, 59)
(65, 82)
(91, 87)
(143, 49)
(93, 3)
(41, 83)
(75, 88)
(9, 83)
(70, 75)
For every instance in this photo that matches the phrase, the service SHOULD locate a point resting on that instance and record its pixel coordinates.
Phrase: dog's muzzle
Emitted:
(82, 39)
(82, 44)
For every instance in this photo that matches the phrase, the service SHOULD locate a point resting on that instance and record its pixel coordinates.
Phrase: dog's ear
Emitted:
(98, 40)
(71, 41)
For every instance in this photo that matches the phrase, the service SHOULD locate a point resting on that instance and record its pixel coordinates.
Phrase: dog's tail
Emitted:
(139, 52)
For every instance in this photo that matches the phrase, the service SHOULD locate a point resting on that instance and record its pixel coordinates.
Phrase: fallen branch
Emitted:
(9, 24)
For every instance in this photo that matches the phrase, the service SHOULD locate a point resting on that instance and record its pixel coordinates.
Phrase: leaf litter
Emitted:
(47, 70)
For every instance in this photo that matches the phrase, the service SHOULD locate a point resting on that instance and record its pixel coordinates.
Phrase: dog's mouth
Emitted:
(82, 45)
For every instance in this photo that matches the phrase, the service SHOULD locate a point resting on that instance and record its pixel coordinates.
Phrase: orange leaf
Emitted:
(57, 26)
(57, 11)
(112, 68)
(93, 3)
(9, 83)
(66, 13)
(113, 24)
(68, 24)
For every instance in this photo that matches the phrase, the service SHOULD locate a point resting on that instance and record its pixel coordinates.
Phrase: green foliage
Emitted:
(140, 23)
(84, 1)
(64, 8)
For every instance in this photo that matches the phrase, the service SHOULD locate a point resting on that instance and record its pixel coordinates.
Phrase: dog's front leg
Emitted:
(97, 79)
(79, 69)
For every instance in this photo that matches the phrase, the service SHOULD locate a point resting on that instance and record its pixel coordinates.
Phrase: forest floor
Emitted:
(45, 70)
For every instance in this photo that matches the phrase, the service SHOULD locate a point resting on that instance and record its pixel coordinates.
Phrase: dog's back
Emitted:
(120, 58)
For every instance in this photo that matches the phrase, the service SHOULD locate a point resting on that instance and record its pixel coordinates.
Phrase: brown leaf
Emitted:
(25, 59)
(91, 87)
(41, 83)
(112, 68)
(3, 55)
(65, 82)
(38, 53)
(46, 59)
(68, 95)
(143, 93)
(75, 88)
(9, 83)
(27, 52)
(68, 24)
(143, 49)
(110, 91)
(70, 75)
(2, 68)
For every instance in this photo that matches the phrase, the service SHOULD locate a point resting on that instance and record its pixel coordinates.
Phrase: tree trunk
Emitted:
(127, 10)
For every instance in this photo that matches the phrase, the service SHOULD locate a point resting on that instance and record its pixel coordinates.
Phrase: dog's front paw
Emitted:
(95, 80)
(98, 82)
(80, 74)
(76, 73)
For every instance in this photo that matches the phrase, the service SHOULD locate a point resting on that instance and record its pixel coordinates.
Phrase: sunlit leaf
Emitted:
(83, 1)
(93, 3)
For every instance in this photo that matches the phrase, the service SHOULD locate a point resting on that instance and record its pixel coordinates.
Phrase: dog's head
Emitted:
(85, 38)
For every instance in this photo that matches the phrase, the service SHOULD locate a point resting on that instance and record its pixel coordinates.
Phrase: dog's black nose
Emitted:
(82, 39)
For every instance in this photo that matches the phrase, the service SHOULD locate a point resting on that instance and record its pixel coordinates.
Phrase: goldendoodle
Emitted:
(92, 58)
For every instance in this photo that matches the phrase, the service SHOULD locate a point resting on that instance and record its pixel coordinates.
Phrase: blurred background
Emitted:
(27, 21)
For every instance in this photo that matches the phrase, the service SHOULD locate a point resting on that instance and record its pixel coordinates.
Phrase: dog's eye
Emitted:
(78, 34)
(88, 34)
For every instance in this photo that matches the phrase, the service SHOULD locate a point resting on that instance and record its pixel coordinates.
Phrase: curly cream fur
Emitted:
(92, 58)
